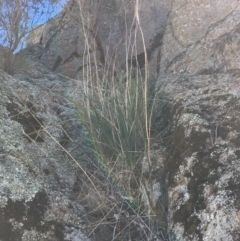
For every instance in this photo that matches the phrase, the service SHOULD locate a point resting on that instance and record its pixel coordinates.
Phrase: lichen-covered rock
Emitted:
(37, 176)
(203, 160)
(199, 75)
(199, 79)
(103, 34)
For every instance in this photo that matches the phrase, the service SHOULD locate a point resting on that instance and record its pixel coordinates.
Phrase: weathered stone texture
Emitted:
(199, 79)
(120, 32)
(201, 37)
(103, 33)
(203, 157)
(199, 74)
(37, 176)
(34, 36)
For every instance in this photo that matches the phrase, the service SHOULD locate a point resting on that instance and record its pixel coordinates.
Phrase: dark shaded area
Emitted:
(175, 152)
(192, 224)
(139, 60)
(36, 209)
(31, 124)
(58, 229)
(99, 46)
(13, 210)
(233, 186)
(7, 233)
(155, 43)
(2, 156)
(31, 215)
(210, 71)
(57, 62)
(205, 171)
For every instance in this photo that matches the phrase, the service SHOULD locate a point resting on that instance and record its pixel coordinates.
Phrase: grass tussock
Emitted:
(118, 108)
(119, 117)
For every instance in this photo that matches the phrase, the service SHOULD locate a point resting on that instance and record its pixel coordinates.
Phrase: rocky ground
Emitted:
(44, 173)
(37, 176)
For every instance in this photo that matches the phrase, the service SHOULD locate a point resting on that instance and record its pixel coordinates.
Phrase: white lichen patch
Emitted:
(18, 180)
(157, 158)
(151, 193)
(33, 235)
(190, 161)
(3, 201)
(223, 181)
(176, 193)
(59, 210)
(189, 120)
(219, 219)
(145, 165)
(186, 167)
(179, 232)
(227, 156)
(74, 234)
(15, 224)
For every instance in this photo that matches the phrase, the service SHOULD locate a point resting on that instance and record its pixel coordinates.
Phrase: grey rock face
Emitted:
(120, 33)
(203, 162)
(201, 38)
(34, 36)
(63, 39)
(37, 178)
(103, 33)
(199, 76)
(199, 73)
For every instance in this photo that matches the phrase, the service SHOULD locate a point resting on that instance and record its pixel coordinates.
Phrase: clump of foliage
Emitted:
(119, 117)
